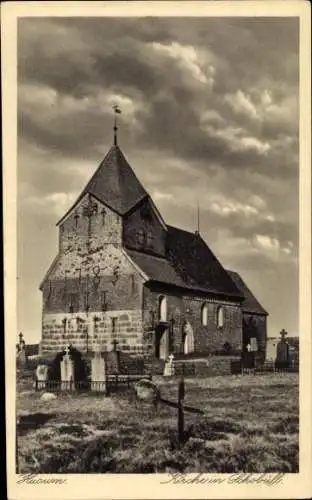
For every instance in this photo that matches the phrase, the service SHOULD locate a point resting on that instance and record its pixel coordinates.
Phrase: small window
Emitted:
(149, 239)
(103, 214)
(204, 315)
(141, 237)
(73, 302)
(86, 302)
(220, 317)
(104, 300)
(132, 284)
(163, 309)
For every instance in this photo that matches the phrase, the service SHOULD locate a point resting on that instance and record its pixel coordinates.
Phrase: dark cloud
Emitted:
(210, 113)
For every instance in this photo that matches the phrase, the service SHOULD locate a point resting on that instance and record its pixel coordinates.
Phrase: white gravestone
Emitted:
(169, 367)
(253, 344)
(67, 371)
(42, 376)
(98, 373)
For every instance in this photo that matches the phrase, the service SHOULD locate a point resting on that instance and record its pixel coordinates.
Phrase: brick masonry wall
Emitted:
(153, 235)
(208, 338)
(175, 310)
(211, 337)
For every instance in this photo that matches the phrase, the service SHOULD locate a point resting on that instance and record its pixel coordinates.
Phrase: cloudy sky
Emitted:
(209, 115)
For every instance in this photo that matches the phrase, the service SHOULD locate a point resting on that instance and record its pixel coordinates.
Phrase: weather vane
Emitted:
(117, 111)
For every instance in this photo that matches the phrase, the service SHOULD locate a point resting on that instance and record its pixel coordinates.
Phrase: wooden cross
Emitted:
(115, 343)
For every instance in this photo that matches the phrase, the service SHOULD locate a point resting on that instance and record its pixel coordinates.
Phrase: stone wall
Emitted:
(92, 331)
(211, 367)
(82, 232)
(92, 281)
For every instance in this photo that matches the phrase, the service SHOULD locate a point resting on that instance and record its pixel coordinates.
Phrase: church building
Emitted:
(122, 276)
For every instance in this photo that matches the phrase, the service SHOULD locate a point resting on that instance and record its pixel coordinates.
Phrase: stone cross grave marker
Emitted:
(42, 376)
(67, 371)
(21, 352)
(169, 366)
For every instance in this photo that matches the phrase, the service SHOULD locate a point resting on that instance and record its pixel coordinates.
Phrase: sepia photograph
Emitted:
(157, 279)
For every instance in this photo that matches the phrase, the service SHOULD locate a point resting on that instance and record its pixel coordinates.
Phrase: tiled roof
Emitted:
(156, 268)
(250, 303)
(189, 264)
(196, 264)
(115, 183)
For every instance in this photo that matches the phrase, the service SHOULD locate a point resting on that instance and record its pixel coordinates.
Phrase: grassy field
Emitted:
(250, 424)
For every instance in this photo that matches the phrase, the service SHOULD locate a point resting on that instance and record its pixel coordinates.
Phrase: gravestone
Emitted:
(169, 366)
(98, 373)
(21, 352)
(67, 371)
(253, 344)
(113, 359)
(42, 372)
(282, 352)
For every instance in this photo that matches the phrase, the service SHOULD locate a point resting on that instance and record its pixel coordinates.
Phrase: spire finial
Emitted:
(197, 232)
(117, 111)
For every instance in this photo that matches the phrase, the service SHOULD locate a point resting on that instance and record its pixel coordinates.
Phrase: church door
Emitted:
(164, 345)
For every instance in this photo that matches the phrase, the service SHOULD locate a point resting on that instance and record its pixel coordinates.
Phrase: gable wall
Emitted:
(135, 222)
(74, 232)
(87, 271)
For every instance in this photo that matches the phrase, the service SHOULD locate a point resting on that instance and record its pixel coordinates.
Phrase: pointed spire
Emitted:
(117, 111)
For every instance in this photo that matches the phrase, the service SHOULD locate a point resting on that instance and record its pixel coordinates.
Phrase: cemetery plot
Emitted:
(249, 423)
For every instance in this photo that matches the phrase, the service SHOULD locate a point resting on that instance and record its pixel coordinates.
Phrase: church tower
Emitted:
(92, 293)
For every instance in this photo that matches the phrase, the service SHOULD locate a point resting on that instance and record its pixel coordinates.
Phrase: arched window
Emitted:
(204, 315)
(162, 308)
(220, 317)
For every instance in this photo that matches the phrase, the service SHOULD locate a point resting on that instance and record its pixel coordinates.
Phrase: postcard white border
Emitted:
(148, 486)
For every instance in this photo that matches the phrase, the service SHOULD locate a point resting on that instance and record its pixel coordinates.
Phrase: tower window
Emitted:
(141, 237)
(149, 239)
(220, 317)
(204, 315)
